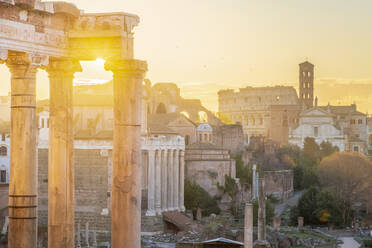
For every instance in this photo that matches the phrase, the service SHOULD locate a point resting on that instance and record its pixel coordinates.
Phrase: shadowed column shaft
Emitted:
(182, 181)
(60, 159)
(261, 210)
(248, 226)
(126, 187)
(23, 169)
(176, 168)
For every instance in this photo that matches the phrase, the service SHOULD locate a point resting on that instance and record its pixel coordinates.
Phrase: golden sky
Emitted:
(207, 45)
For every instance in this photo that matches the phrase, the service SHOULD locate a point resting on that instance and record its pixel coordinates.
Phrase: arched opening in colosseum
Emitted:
(161, 109)
(370, 140)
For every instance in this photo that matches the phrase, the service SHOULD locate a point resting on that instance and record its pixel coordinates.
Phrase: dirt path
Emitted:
(280, 208)
(349, 243)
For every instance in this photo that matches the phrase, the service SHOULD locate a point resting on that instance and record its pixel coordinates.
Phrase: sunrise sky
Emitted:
(207, 45)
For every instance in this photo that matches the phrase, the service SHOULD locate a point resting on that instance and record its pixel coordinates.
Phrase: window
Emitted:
(3, 176)
(352, 122)
(356, 148)
(316, 131)
(360, 121)
(205, 137)
(3, 151)
(42, 123)
(3, 137)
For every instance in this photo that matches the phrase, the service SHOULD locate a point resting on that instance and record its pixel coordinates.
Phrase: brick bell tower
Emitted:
(306, 85)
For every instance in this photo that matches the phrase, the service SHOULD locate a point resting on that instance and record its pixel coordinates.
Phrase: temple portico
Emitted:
(55, 36)
(164, 167)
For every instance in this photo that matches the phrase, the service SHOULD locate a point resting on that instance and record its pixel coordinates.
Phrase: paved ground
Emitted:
(280, 208)
(349, 243)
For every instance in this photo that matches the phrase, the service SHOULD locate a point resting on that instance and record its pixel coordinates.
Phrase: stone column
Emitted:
(61, 200)
(176, 180)
(164, 181)
(182, 181)
(23, 155)
(158, 182)
(261, 210)
(170, 180)
(151, 184)
(248, 226)
(126, 187)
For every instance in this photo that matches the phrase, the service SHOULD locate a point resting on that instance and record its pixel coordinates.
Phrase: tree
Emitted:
(317, 207)
(349, 177)
(243, 172)
(311, 150)
(196, 197)
(327, 149)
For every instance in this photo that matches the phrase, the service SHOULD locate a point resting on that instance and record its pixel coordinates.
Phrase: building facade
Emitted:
(257, 108)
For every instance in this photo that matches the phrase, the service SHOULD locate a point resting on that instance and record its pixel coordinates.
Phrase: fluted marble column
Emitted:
(158, 182)
(61, 200)
(164, 181)
(176, 179)
(151, 184)
(170, 180)
(182, 181)
(126, 188)
(23, 156)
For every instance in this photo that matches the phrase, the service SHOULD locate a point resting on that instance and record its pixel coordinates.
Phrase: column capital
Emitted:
(63, 65)
(24, 59)
(126, 65)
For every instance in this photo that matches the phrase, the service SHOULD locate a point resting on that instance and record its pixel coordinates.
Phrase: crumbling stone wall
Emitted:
(279, 184)
(91, 188)
(229, 137)
(208, 167)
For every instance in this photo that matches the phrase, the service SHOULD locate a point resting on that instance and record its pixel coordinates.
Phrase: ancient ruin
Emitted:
(55, 36)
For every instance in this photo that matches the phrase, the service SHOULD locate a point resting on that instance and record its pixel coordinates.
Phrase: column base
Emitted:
(183, 209)
(150, 213)
(171, 209)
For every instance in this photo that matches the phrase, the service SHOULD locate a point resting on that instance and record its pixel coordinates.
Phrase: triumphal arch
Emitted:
(55, 36)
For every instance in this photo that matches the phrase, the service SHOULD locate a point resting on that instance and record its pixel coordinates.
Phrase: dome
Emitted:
(204, 128)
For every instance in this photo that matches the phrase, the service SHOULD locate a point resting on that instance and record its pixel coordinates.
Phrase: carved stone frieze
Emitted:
(39, 60)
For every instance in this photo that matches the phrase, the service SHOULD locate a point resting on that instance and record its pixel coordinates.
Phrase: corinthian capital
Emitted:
(63, 65)
(20, 58)
(126, 65)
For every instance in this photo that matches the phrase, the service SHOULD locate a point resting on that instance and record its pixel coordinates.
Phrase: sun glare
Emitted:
(93, 73)
(100, 62)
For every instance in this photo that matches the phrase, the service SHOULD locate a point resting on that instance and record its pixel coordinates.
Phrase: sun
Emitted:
(100, 62)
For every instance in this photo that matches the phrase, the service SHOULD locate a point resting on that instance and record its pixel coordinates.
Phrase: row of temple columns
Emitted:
(166, 173)
(126, 199)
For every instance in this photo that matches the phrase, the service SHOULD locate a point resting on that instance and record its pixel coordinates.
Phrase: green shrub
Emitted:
(270, 211)
(196, 197)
